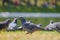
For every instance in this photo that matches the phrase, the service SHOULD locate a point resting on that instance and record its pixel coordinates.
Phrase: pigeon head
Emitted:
(23, 21)
(8, 20)
(51, 21)
(15, 20)
(40, 25)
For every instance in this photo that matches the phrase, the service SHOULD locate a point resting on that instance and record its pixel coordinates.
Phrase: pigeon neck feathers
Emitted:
(51, 21)
(15, 20)
(23, 21)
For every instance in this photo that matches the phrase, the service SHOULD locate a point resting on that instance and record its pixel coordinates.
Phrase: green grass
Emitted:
(43, 21)
(29, 9)
(12, 8)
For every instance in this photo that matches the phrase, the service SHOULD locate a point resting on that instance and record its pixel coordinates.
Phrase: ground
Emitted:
(12, 8)
(38, 35)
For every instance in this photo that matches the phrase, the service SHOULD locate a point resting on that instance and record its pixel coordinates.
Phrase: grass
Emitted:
(12, 8)
(43, 21)
(38, 35)
(29, 9)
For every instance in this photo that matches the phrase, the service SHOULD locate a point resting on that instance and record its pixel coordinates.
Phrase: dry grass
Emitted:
(21, 35)
(0, 2)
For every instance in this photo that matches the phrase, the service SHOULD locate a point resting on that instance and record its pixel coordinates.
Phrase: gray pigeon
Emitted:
(53, 26)
(50, 26)
(28, 26)
(12, 25)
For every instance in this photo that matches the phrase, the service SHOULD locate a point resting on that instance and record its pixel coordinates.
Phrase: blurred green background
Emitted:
(31, 6)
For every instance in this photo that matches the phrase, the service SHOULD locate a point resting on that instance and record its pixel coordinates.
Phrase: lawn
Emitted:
(43, 21)
(12, 8)
(29, 9)
(38, 35)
